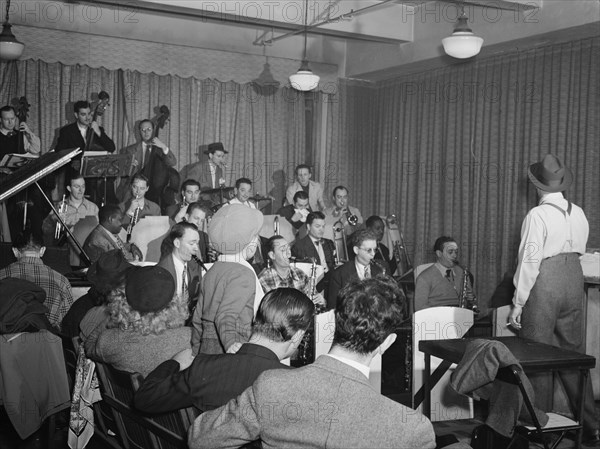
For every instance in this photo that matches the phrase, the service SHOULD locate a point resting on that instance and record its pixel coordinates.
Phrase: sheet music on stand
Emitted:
(101, 164)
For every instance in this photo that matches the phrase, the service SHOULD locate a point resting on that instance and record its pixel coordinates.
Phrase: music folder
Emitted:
(101, 164)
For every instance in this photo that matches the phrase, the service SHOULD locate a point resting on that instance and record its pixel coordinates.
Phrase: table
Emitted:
(534, 357)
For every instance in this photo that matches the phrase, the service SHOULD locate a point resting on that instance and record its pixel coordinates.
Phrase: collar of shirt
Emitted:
(179, 264)
(314, 240)
(110, 234)
(443, 269)
(31, 260)
(360, 269)
(82, 129)
(5, 131)
(553, 198)
(359, 366)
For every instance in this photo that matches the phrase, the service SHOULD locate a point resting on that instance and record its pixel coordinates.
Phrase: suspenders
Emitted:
(565, 213)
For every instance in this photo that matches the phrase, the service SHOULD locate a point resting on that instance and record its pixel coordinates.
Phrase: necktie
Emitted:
(184, 286)
(218, 176)
(321, 253)
(367, 271)
(121, 246)
(449, 275)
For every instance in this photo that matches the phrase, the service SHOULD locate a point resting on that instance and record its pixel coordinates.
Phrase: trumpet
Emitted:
(133, 222)
(350, 217)
(276, 225)
(466, 300)
(61, 210)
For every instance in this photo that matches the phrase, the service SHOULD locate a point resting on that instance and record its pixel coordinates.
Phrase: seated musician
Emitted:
(190, 193)
(328, 403)
(138, 206)
(280, 273)
(177, 255)
(105, 236)
(198, 214)
(303, 183)
(210, 174)
(17, 138)
(296, 212)
(364, 247)
(145, 325)
(28, 249)
(243, 192)
(376, 225)
(184, 381)
(314, 246)
(442, 283)
(230, 291)
(349, 216)
(150, 156)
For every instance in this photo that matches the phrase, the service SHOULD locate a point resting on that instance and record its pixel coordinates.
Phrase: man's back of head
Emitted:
(28, 244)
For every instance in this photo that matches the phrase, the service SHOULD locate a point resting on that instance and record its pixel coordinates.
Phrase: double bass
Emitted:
(101, 105)
(164, 180)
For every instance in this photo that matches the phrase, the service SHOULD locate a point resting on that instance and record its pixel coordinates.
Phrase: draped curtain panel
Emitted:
(448, 150)
(263, 129)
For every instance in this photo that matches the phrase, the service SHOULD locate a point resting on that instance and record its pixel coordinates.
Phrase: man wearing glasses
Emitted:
(364, 245)
(441, 283)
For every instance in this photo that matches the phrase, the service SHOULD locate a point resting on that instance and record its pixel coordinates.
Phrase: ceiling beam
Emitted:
(509, 5)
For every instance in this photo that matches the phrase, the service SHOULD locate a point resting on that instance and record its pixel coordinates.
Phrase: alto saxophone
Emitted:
(464, 301)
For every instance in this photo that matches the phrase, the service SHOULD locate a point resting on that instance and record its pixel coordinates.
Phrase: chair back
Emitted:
(135, 429)
(421, 268)
(82, 229)
(324, 330)
(440, 323)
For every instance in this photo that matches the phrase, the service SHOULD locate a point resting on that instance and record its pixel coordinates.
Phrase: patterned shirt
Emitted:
(270, 279)
(59, 297)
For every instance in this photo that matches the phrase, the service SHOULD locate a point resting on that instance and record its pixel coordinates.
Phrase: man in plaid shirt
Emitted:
(29, 250)
(280, 273)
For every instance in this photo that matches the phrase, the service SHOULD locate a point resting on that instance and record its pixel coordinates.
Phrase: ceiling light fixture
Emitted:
(463, 43)
(10, 47)
(304, 80)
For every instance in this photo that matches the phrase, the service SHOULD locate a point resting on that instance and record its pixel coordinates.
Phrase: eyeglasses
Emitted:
(146, 129)
(369, 250)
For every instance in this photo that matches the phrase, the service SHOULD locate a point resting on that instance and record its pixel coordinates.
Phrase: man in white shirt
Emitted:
(548, 300)
(243, 193)
(329, 403)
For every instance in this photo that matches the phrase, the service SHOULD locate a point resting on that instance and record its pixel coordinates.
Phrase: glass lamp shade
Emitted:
(304, 79)
(462, 44)
(10, 47)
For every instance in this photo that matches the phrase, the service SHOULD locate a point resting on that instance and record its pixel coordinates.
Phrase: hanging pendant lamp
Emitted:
(304, 80)
(10, 47)
(463, 43)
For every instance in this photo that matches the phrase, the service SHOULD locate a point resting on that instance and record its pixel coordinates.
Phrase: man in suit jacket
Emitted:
(329, 403)
(297, 212)
(200, 381)
(190, 193)
(303, 183)
(151, 157)
(138, 200)
(177, 257)
(210, 174)
(376, 225)
(197, 213)
(362, 267)
(85, 134)
(340, 211)
(105, 236)
(442, 283)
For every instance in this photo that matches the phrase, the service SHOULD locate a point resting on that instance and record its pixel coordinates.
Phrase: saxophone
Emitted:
(133, 222)
(465, 300)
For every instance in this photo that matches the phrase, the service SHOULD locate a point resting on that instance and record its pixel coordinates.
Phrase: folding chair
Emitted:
(556, 423)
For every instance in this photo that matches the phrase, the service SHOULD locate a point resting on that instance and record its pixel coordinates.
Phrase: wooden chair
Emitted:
(439, 323)
(166, 431)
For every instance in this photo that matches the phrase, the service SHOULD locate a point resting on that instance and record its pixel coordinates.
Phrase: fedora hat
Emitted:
(109, 270)
(550, 175)
(215, 146)
(149, 289)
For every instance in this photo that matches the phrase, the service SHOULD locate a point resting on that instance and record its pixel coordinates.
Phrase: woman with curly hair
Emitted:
(145, 325)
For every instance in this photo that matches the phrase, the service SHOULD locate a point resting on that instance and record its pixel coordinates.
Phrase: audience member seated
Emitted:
(105, 236)
(329, 403)
(280, 273)
(106, 274)
(190, 193)
(177, 252)
(243, 193)
(296, 212)
(376, 225)
(28, 250)
(361, 267)
(22, 307)
(230, 291)
(441, 283)
(145, 325)
(209, 381)
(303, 183)
(138, 204)
(198, 214)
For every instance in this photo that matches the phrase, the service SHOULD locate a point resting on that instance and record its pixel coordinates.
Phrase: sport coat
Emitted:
(327, 404)
(344, 275)
(288, 212)
(100, 242)
(305, 249)
(194, 275)
(199, 171)
(315, 195)
(70, 137)
(209, 382)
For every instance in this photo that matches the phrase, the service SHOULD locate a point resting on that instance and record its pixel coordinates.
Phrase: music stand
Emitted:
(94, 165)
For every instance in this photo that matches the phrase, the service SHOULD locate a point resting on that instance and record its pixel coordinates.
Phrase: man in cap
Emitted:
(230, 291)
(548, 301)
